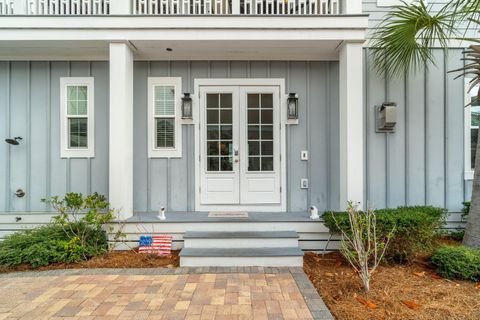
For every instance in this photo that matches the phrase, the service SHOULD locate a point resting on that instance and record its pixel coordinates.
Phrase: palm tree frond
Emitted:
(403, 40)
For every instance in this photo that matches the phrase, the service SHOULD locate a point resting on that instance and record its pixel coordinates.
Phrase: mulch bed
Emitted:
(397, 292)
(116, 259)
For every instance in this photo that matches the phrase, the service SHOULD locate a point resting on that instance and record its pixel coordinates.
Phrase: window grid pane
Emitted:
(164, 133)
(164, 100)
(77, 104)
(77, 133)
(260, 132)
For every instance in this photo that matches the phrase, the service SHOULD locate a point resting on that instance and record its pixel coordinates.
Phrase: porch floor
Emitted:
(192, 217)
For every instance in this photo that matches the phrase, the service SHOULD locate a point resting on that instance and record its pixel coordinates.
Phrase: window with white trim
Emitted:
(164, 110)
(77, 117)
(472, 124)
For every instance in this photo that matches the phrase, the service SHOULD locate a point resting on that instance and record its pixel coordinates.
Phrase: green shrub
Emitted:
(457, 262)
(415, 229)
(50, 244)
(76, 233)
(456, 235)
(465, 209)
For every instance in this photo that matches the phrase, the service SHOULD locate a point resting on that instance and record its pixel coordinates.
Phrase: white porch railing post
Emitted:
(235, 6)
(351, 124)
(121, 129)
(121, 7)
(20, 7)
(352, 7)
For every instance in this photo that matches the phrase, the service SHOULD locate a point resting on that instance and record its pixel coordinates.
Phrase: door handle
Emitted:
(235, 153)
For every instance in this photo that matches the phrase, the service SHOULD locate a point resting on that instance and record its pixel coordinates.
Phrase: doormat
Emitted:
(228, 214)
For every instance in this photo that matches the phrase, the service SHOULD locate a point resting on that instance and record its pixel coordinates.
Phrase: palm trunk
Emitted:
(472, 230)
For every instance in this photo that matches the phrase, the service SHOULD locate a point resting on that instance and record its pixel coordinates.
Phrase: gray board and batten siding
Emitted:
(422, 163)
(29, 108)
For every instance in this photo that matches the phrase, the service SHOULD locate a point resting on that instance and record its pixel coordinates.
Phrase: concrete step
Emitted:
(244, 239)
(241, 257)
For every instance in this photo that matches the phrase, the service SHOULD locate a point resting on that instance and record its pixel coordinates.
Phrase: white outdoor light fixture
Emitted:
(386, 117)
(187, 112)
(292, 106)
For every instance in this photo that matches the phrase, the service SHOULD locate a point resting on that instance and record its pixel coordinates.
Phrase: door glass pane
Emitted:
(226, 132)
(253, 163)
(213, 163)
(226, 116)
(212, 148)
(253, 101)
(253, 132)
(267, 116)
(267, 148)
(226, 164)
(267, 132)
(212, 116)
(226, 148)
(212, 132)
(219, 136)
(253, 116)
(267, 101)
(212, 100)
(260, 132)
(253, 148)
(226, 101)
(267, 164)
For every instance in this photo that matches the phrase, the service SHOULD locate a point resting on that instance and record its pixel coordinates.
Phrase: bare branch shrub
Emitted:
(361, 245)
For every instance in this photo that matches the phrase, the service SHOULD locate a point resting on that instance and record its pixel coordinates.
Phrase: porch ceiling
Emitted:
(191, 38)
(182, 50)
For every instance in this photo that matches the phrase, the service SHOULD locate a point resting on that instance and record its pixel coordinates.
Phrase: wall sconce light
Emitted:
(187, 108)
(386, 117)
(292, 106)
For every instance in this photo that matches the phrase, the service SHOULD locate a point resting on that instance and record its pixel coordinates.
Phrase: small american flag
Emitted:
(156, 244)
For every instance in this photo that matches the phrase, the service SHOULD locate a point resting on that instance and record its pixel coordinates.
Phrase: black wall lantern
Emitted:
(187, 108)
(292, 106)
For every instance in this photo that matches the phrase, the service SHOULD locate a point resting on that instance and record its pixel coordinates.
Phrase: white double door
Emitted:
(239, 145)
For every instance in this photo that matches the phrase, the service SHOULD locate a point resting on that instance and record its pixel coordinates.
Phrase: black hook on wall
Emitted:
(15, 141)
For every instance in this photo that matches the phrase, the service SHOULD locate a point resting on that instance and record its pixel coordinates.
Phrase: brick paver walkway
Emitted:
(153, 296)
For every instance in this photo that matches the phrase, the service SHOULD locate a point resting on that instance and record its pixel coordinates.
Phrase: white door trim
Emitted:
(283, 121)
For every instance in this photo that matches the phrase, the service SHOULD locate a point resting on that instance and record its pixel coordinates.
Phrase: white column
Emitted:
(121, 129)
(121, 7)
(351, 124)
(20, 7)
(352, 7)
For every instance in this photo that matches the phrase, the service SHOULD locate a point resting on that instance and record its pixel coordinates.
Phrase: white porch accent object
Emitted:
(121, 129)
(66, 150)
(351, 124)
